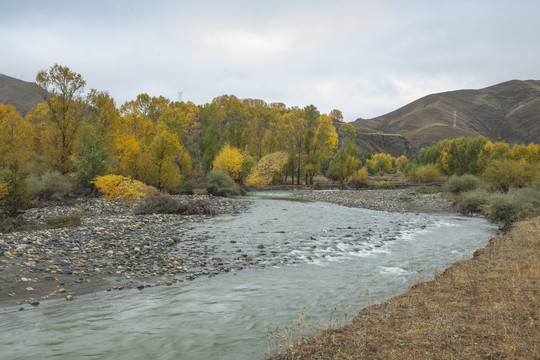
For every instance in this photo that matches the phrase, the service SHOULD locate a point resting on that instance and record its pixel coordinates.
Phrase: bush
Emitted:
(11, 224)
(51, 185)
(459, 184)
(528, 200)
(122, 188)
(161, 203)
(156, 202)
(506, 174)
(502, 209)
(360, 178)
(71, 220)
(425, 174)
(472, 202)
(187, 186)
(383, 184)
(221, 184)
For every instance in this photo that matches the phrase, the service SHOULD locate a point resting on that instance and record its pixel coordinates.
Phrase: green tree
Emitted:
(18, 193)
(92, 157)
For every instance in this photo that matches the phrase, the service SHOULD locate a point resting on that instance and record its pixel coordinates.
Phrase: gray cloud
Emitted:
(363, 57)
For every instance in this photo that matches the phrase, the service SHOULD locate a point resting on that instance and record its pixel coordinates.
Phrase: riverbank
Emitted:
(483, 308)
(411, 199)
(114, 249)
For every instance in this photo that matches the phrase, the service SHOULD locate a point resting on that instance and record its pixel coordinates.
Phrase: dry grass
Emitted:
(484, 308)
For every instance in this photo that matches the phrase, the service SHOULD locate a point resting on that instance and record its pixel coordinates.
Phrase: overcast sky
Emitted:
(365, 58)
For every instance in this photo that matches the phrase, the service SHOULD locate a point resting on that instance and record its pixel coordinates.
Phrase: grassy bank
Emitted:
(483, 308)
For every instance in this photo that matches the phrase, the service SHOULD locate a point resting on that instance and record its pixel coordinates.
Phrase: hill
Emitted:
(23, 95)
(509, 111)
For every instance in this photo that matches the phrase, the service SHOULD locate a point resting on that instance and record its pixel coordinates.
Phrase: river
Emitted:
(323, 260)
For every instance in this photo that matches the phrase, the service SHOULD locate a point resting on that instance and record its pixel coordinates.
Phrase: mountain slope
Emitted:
(509, 111)
(23, 95)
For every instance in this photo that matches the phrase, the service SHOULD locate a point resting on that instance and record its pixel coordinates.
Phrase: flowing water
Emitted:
(317, 257)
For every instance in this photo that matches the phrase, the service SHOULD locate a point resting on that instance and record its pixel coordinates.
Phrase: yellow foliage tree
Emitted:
(163, 150)
(230, 161)
(123, 188)
(360, 177)
(126, 152)
(529, 153)
(15, 133)
(401, 163)
(267, 169)
(380, 162)
(63, 88)
(38, 118)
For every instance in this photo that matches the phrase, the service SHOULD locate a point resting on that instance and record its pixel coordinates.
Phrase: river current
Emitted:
(321, 257)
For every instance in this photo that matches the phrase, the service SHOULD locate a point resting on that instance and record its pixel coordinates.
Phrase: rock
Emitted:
(29, 288)
(34, 303)
(69, 297)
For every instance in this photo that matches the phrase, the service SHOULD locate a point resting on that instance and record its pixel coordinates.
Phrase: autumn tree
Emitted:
(229, 160)
(103, 115)
(163, 151)
(63, 99)
(336, 115)
(126, 153)
(325, 143)
(268, 169)
(15, 134)
(293, 128)
(380, 163)
(135, 122)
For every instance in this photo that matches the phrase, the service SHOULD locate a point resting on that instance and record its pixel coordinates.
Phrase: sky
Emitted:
(365, 58)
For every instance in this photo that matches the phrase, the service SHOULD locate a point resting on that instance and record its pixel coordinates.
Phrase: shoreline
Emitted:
(115, 249)
(482, 308)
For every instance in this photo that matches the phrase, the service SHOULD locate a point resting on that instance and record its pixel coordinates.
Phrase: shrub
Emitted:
(221, 184)
(502, 209)
(383, 184)
(528, 200)
(267, 169)
(187, 186)
(360, 178)
(425, 174)
(122, 188)
(161, 203)
(156, 202)
(505, 174)
(71, 220)
(13, 223)
(51, 185)
(472, 202)
(196, 207)
(458, 184)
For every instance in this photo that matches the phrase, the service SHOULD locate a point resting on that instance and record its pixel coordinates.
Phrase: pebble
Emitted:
(113, 241)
